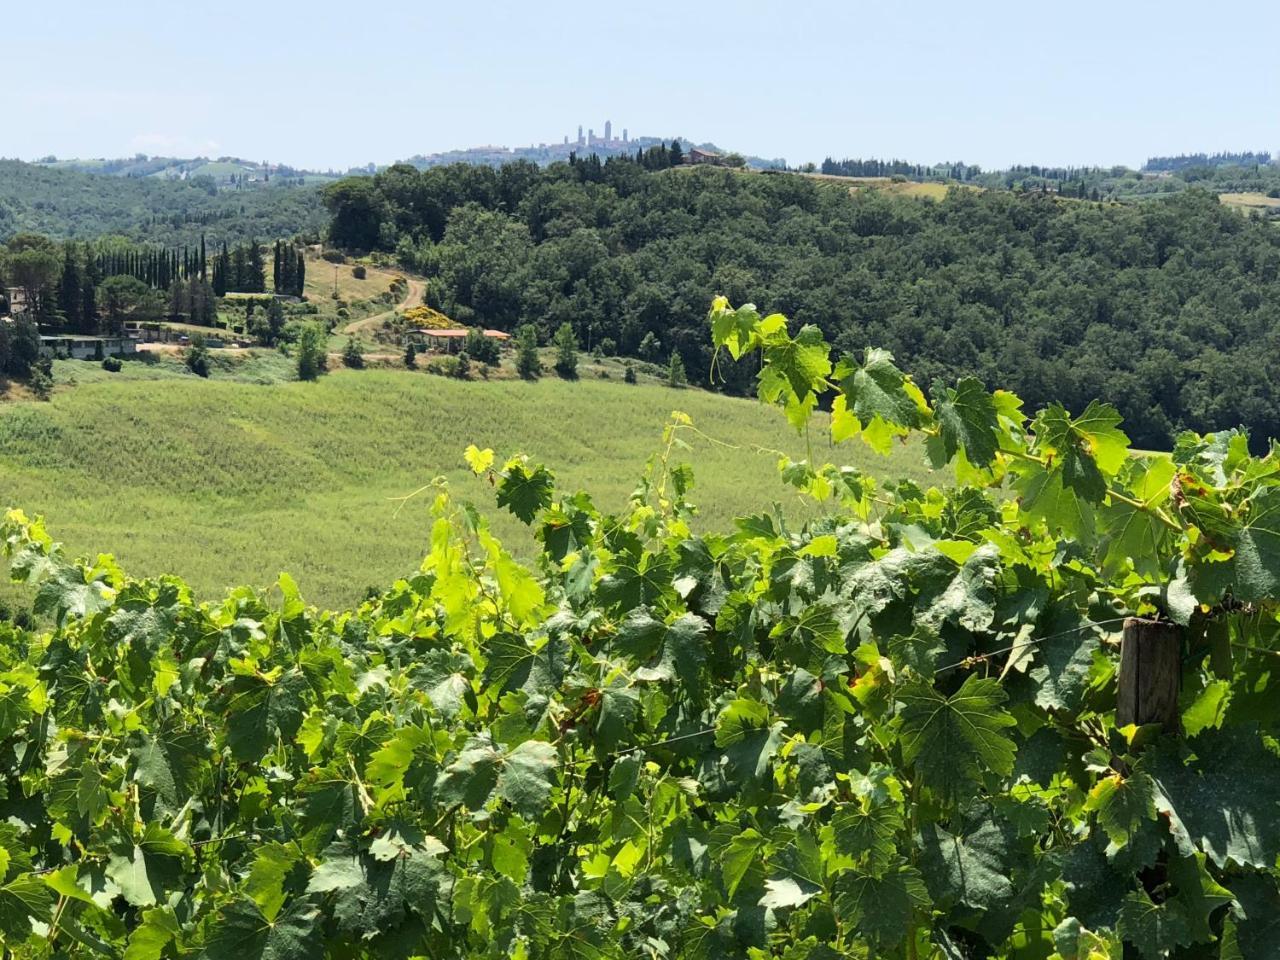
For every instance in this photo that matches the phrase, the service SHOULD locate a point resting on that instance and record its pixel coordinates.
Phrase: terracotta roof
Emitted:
(462, 332)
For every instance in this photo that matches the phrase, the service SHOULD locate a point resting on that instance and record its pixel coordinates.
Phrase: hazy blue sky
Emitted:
(334, 84)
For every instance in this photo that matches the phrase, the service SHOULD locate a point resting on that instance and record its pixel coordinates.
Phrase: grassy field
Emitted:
(229, 480)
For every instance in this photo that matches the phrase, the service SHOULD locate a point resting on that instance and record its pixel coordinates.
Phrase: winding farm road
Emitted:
(412, 298)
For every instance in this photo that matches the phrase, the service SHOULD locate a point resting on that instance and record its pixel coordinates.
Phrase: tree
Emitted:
(410, 355)
(527, 363)
(566, 345)
(462, 369)
(19, 346)
(255, 278)
(222, 272)
(675, 371)
(282, 265)
(128, 298)
(357, 210)
(238, 278)
(676, 153)
(311, 352)
(275, 321)
(299, 273)
(629, 373)
(31, 262)
(69, 285)
(650, 348)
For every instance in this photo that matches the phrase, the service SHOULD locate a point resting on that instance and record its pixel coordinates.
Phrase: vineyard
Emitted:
(1030, 716)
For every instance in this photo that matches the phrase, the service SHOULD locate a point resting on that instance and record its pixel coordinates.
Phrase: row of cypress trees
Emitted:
(154, 266)
(290, 269)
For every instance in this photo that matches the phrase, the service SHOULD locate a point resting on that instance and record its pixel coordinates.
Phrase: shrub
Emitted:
(311, 352)
(41, 384)
(566, 353)
(359, 272)
(462, 369)
(609, 347)
(352, 355)
(410, 356)
(197, 358)
(425, 318)
(111, 364)
(629, 373)
(334, 256)
(481, 348)
(443, 366)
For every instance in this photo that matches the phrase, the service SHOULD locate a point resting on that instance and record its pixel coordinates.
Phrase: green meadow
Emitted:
(237, 478)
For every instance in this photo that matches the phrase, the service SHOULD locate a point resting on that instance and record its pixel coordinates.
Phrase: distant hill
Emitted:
(547, 153)
(67, 203)
(1186, 161)
(226, 172)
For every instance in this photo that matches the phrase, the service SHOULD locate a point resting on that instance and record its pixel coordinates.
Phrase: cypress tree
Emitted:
(69, 289)
(236, 279)
(256, 278)
(221, 271)
(675, 371)
(203, 262)
(300, 274)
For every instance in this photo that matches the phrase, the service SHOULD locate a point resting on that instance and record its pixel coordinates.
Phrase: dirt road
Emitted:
(412, 298)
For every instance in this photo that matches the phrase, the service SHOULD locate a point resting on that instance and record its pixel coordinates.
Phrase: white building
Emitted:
(79, 347)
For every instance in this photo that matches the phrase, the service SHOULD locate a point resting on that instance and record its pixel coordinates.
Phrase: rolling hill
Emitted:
(227, 480)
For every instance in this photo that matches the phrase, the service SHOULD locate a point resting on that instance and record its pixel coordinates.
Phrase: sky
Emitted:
(332, 85)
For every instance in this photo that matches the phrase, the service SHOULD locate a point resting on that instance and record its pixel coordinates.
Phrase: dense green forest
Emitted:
(69, 204)
(1167, 309)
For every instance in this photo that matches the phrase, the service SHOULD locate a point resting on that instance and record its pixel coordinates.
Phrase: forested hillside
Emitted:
(68, 204)
(1167, 309)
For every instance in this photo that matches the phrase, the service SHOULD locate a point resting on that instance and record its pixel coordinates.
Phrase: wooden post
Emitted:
(1150, 674)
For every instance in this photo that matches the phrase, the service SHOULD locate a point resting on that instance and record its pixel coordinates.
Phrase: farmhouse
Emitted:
(79, 347)
(704, 156)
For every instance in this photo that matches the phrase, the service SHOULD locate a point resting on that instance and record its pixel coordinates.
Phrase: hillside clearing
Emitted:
(1250, 201)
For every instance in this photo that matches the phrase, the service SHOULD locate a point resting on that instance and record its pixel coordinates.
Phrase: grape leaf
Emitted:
(881, 909)
(1155, 929)
(1225, 802)
(523, 490)
(241, 932)
(969, 869)
(953, 741)
(867, 831)
(1123, 805)
(966, 416)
